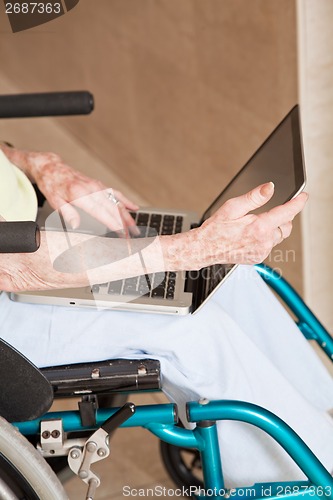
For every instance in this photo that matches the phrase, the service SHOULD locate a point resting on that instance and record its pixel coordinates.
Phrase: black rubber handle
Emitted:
(46, 104)
(19, 237)
(119, 417)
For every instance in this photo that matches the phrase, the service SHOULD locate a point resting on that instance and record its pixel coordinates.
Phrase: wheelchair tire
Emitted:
(24, 474)
(183, 465)
(12, 484)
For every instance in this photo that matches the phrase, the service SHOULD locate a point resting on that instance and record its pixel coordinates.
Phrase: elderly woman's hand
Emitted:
(65, 188)
(239, 237)
(233, 235)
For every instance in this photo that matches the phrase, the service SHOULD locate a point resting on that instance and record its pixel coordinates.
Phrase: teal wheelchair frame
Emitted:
(161, 420)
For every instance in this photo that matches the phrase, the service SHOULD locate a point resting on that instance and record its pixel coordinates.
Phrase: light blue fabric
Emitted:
(241, 345)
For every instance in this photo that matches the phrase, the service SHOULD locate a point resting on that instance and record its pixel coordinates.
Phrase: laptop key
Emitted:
(155, 225)
(168, 222)
(131, 281)
(158, 293)
(142, 217)
(149, 280)
(115, 287)
(143, 280)
(130, 290)
(156, 217)
(130, 285)
(158, 277)
(167, 230)
(169, 218)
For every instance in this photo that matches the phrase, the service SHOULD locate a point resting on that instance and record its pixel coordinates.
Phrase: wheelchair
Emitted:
(83, 435)
(31, 435)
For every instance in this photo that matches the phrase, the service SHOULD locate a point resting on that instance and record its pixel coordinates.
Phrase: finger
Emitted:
(121, 227)
(126, 202)
(71, 216)
(282, 232)
(122, 204)
(286, 229)
(95, 205)
(128, 221)
(103, 209)
(119, 219)
(115, 215)
(241, 205)
(282, 214)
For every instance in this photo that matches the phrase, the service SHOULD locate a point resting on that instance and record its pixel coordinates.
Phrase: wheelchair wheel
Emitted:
(183, 465)
(24, 474)
(12, 484)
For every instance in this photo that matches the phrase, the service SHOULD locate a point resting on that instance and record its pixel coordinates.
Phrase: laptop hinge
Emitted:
(195, 283)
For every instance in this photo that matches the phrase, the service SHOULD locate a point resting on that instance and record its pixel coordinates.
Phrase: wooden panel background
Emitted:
(185, 90)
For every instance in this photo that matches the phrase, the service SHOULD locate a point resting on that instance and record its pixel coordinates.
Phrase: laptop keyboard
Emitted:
(158, 285)
(162, 224)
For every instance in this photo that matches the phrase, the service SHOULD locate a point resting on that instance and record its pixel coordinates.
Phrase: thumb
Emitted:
(2, 219)
(241, 205)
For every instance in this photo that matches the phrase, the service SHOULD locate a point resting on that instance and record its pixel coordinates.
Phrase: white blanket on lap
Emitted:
(242, 345)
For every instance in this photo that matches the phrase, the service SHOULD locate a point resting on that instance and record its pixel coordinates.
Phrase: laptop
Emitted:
(278, 159)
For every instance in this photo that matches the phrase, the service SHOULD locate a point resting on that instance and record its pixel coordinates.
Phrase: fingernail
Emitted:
(267, 189)
(73, 223)
(135, 230)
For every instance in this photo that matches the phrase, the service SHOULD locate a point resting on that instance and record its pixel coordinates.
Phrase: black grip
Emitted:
(46, 104)
(19, 237)
(118, 418)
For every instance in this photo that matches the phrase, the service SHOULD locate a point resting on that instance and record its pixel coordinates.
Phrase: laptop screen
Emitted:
(280, 160)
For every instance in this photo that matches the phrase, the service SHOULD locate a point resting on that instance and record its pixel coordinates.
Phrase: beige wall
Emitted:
(316, 92)
(185, 90)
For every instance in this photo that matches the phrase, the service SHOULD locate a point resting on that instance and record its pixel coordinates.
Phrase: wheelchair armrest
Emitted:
(110, 376)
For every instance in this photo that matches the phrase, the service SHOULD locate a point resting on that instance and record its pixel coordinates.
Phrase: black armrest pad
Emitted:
(115, 375)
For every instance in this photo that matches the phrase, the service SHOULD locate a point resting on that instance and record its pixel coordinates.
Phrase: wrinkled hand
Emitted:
(66, 188)
(233, 235)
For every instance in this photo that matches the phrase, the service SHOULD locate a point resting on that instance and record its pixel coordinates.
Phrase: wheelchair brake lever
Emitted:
(96, 448)
(118, 418)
